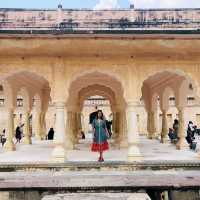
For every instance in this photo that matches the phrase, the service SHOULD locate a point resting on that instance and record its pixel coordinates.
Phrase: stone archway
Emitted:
(168, 85)
(96, 83)
(26, 84)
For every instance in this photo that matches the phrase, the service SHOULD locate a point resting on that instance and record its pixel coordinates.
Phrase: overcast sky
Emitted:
(100, 4)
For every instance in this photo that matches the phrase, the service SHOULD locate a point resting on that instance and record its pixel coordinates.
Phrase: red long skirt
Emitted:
(100, 147)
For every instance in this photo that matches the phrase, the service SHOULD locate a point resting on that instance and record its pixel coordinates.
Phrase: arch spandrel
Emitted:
(94, 79)
(183, 72)
(112, 73)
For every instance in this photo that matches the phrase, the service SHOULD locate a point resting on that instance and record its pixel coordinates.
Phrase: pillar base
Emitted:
(27, 140)
(9, 146)
(38, 137)
(69, 145)
(134, 154)
(164, 140)
(123, 143)
(58, 154)
(181, 144)
(151, 137)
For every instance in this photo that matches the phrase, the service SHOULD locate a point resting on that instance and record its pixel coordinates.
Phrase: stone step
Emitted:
(98, 196)
(106, 166)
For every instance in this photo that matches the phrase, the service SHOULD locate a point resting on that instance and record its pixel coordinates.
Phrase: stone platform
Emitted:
(151, 150)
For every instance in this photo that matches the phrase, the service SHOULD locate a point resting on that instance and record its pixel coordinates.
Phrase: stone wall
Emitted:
(130, 18)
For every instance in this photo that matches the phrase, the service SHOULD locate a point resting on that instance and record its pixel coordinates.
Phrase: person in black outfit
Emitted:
(18, 134)
(3, 137)
(50, 134)
(175, 128)
(93, 115)
(108, 125)
(190, 136)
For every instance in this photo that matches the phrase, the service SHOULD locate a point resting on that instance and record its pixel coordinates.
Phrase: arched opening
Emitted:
(101, 90)
(167, 94)
(23, 91)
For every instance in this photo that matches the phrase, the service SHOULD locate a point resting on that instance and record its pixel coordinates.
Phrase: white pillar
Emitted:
(164, 127)
(69, 132)
(38, 128)
(123, 130)
(59, 154)
(133, 135)
(151, 125)
(181, 130)
(26, 129)
(9, 145)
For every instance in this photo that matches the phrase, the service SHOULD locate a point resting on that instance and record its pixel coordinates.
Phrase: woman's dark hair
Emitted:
(100, 111)
(176, 121)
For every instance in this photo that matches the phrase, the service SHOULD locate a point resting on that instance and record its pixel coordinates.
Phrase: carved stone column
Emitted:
(123, 130)
(9, 145)
(164, 130)
(181, 130)
(69, 136)
(38, 128)
(133, 135)
(26, 129)
(59, 153)
(151, 126)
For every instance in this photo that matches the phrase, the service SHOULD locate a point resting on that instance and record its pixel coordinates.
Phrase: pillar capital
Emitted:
(131, 106)
(59, 104)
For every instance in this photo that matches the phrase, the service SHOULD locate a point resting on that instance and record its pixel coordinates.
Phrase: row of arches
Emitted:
(36, 93)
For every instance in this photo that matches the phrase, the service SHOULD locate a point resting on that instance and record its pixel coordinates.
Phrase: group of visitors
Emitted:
(173, 132)
(190, 138)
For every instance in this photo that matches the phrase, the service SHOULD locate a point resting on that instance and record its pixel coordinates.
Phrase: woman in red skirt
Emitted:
(101, 135)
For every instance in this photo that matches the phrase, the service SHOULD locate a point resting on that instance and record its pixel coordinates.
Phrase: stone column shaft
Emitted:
(9, 145)
(123, 130)
(26, 129)
(151, 126)
(69, 136)
(164, 127)
(38, 129)
(133, 135)
(59, 154)
(181, 130)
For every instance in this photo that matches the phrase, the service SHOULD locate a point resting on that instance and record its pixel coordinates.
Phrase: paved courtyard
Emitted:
(150, 150)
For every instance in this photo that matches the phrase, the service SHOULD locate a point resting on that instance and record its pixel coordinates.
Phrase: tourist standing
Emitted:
(175, 128)
(18, 134)
(3, 137)
(50, 134)
(101, 135)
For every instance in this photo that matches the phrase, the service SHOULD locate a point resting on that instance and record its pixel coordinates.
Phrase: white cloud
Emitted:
(166, 3)
(107, 4)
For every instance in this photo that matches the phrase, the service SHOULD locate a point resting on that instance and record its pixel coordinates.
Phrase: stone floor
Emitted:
(150, 150)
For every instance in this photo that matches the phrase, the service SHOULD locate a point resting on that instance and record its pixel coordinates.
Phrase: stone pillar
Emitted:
(9, 145)
(123, 130)
(75, 127)
(164, 130)
(59, 154)
(181, 130)
(133, 135)
(26, 129)
(151, 126)
(38, 128)
(69, 136)
(43, 124)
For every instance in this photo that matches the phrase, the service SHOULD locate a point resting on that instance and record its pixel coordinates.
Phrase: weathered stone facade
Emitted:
(137, 73)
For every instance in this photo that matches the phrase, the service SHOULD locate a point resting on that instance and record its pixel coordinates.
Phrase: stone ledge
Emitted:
(109, 166)
(100, 181)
